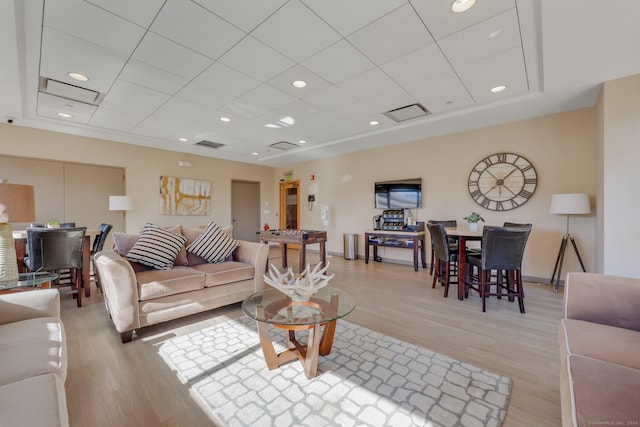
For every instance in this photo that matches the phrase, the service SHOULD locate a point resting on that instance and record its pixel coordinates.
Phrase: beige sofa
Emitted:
(33, 360)
(600, 351)
(137, 297)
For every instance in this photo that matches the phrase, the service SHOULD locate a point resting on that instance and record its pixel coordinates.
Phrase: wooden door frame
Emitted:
(283, 187)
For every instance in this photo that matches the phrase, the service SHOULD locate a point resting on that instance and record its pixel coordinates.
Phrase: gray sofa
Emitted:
(33, 360)
(600, 351)
(137, 297)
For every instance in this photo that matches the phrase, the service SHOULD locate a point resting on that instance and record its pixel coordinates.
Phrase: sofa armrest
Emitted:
(255, 254)
(604, 299)
(18, 306)
(120, 287)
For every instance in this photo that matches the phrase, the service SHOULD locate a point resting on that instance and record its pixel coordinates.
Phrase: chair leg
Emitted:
(434, 273)
(520, 292)
(433, 257)
(77, 278)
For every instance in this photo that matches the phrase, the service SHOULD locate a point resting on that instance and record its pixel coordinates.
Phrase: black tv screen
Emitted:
(400, 194)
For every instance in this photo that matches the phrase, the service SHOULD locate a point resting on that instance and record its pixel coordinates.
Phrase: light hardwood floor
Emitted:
(111, 384)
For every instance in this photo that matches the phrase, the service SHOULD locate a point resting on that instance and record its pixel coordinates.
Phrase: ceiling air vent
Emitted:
(407, 113)
(283, 145)
(209, 144)
(71, 92)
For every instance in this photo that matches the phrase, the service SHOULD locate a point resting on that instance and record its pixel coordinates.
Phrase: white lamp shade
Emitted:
(570, 204)
(120, 203)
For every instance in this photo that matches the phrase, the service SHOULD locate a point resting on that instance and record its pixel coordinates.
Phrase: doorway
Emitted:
(245, 210)
(290, 205)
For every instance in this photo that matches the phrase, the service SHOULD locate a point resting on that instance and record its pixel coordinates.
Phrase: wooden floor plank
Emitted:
(110, 383)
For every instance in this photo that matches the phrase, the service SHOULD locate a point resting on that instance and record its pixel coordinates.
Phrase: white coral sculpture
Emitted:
(299, 287)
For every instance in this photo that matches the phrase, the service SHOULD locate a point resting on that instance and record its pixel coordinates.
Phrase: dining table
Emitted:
(20, 239)
(463, 234)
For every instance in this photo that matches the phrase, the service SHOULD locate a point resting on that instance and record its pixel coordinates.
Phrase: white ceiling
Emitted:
(171, 69)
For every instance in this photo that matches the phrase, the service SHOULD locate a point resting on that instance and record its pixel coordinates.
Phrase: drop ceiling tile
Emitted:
(297, 109)
(204, 95)
(62, 54)
(259, 101)
(50, 106)
(138, 12)
(193, 26)
(296, 32)
(392, 36)
(442, 22)
(361, 114)
(331, 98)
(133, 99)
(417, 65)
(169, 56)
(504, 69)
(174, 115)
(227, 80)
(497, 34)
(256, 59)
(92, 24)
(349, 16)
(367, 84)
(390, 100)
(114, 119)
(145, 75)
(350, 60)
(441, 93)
(284, 82)
(244, 14)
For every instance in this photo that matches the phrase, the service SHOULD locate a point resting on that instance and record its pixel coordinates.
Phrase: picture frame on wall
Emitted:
(184, 196)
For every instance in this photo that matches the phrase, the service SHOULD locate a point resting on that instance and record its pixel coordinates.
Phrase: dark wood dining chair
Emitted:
(57, 250)
(98, 245)
(452, 242)
(499, 265)
(446, 266)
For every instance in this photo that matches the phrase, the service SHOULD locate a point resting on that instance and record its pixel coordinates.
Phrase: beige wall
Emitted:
(561, 147)
(618, 228)
(143, 167)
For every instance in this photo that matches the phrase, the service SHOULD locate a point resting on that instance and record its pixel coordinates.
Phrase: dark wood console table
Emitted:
(297, 237)
(396, 239)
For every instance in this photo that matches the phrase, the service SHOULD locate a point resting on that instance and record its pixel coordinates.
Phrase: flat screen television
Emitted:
(399, 194)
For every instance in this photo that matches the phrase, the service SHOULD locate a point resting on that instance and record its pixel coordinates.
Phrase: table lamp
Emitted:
(568, 204)
(122, 204)
(17, 204)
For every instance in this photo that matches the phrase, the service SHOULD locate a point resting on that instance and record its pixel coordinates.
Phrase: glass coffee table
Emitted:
(29, 280)
(319, 314)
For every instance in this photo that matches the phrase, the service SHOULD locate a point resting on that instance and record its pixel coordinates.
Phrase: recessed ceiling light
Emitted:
(459, 6)
(271, 125)
(497, 89)
(65, 115)
(374, 123)
(183, 139)
(287, 121)
(225, 119)
(302, 141)
(254, 154)
(78, 76)
(299, 84)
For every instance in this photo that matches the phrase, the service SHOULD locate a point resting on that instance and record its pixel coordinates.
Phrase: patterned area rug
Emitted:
(368, 379)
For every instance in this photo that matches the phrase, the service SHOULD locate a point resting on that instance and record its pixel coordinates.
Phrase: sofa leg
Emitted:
(126, 336)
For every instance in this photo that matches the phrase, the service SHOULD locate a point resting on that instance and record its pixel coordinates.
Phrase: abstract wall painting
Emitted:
(184, 196)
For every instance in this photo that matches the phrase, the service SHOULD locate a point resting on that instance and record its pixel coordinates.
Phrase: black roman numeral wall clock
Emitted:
(502, 181)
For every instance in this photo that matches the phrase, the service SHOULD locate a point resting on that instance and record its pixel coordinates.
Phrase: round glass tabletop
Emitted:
(28, 280)
(272, 306)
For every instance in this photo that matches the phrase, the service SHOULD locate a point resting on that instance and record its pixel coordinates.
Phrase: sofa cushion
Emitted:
(159, 283)
(32, 347)
(603, 393)
(192, 234)
(608, 343)
(36, 401)
(156, 247)
(226, 272)
(213, 244)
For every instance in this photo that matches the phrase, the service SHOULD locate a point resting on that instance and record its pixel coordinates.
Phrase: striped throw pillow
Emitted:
(213, 244)
(156, 247)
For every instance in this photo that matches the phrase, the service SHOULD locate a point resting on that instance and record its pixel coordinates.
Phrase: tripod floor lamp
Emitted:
(568, 204)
